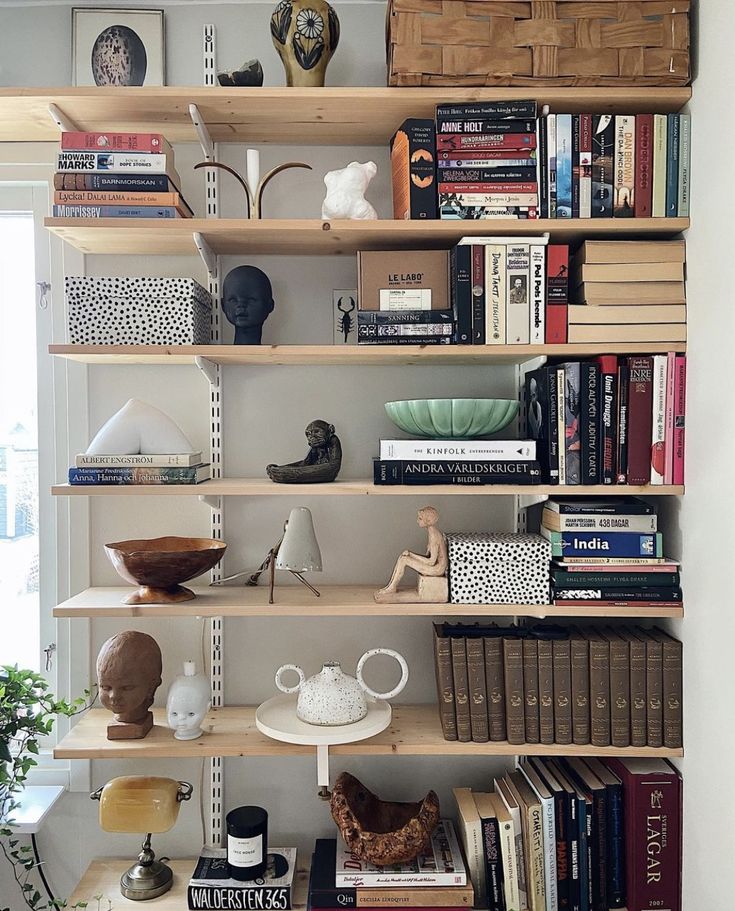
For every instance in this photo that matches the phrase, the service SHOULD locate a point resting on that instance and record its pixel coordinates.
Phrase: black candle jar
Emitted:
(247, 842)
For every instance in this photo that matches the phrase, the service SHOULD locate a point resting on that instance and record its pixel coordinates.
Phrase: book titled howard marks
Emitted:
(211, 888)
(470, 473)
(606, 544)
(105, 162)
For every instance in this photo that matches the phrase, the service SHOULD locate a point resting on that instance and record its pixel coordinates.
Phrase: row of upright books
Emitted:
(117, 175)
(603, 686)
(574, 834)
(611, 420)
(143, 468)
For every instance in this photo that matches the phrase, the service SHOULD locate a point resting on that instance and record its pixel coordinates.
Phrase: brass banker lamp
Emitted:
(142, 803)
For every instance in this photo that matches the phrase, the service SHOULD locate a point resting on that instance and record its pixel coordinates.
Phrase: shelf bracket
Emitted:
(205, 140)
(207, 254)
(208, 368)
(64, 123)
(212, 502)
(531, 499)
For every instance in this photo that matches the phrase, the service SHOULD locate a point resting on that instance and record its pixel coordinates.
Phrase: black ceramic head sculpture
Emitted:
(247, 299)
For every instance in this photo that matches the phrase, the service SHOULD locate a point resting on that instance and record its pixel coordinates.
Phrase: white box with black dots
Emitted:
(137, 311)
(498, 568)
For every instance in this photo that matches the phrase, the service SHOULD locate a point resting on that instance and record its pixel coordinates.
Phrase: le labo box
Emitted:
(498, 568)
(403, 280)
(413, 170)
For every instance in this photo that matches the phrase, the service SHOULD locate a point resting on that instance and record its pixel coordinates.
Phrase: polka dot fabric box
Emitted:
(498, 568)
(137, 311)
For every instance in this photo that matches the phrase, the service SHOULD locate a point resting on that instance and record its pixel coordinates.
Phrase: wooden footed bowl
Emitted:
(378, 831)
(160, 565)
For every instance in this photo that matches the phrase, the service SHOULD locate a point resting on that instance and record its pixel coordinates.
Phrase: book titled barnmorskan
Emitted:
(212, 889)
(441, 865)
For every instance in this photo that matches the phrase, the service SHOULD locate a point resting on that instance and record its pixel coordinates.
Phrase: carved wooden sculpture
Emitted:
(129, 673)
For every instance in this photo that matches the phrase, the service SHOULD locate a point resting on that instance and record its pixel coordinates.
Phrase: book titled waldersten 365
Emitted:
(212, 889)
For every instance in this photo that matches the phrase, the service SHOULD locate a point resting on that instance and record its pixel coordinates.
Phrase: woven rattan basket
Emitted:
(538, 42)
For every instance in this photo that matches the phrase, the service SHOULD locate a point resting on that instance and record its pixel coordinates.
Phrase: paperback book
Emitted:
(212, 889)
(194, 474)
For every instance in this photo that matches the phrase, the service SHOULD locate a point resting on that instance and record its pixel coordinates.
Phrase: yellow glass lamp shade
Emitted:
(141, 803)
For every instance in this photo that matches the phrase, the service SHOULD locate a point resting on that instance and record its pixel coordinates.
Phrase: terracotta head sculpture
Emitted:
(129, 673)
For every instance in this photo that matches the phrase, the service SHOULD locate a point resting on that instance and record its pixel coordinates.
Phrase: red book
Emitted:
(643, 165)
(488, 187)
(680, 382)
(450, 142)
(114, 142)
(640, 419)
(488, 155)
(557, 293)
(652, 807)
(669, 421)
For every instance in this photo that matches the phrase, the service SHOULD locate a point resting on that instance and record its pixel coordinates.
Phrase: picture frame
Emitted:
(117, 47)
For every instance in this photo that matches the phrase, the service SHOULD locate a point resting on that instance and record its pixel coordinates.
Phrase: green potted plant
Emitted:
(27, 714)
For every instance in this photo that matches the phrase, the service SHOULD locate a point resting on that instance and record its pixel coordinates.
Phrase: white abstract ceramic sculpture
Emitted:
(346, 191)
(188, 702)
(139, 428)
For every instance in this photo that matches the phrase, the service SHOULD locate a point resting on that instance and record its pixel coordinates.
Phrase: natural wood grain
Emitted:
(344, 355)
(263, 487)
(291, 116)
(302, 237)
(335, 601)
(231, 731)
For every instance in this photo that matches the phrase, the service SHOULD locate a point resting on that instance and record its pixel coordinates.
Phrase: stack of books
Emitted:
(622, 166)
(509, 290)
(553, 684)
(609, 552)
(628, 291)
(437, 879)
(613, 420)
(575, 833)
(117, 175)
(148, 468)
(486, 160)
(211, 887)
(468, 462)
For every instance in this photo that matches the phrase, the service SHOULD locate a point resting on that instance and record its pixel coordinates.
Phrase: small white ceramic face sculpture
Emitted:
(187, 704)
(346, 192)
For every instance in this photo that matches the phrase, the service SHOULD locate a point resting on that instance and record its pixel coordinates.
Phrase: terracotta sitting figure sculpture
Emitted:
(129, 673)
(322, 461)
(433, 586)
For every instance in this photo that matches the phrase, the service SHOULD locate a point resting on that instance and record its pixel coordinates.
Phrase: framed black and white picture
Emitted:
(117, 46)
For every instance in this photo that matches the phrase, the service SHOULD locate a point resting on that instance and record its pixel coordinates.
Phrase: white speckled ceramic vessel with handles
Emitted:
(332, 697)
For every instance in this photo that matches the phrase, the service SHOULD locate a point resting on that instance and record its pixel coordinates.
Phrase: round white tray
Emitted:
(277, 719)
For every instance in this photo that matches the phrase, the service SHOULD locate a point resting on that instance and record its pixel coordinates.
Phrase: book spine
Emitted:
(478, 294)
(638, 714)
(561, 844)
(387, 880)
(576, 175)
(489, 175)
(447, 450)
(599, 692)
(437, 898)
(486, 158)
(621, 595)
(497, 110)
(461, 277)
(557, 293)
(679, 419)
(413, 170)
(619, 692)
(580, 668)
(624, 507)
(551, 162)
(685, 152)
(590, 423)
(461, 692)
(669, 429)
(495, 268)
(234, 898)
(495, 681)
(603, 154)
(542, 162)
(477, 690)
(537, 327)
(572, 408)
(453, 210)
(400, 317)
(660, 131)
(552, 425)
(405, 331)
(514, 703)
(561, 424)
(505, 193)
(469, 126)
(112, 162)
(396, 471)
(602, 523)
(518, 269)
(615, 581)
(605, 543)
(113, 142)
(531, 691)
(511, 892)
(493, 864)
(640, 414)
(615, 846)
(658, 420)
(672, 165)
(109, 198)
(545, 691)
(549, 837)
(600, 850)
(63, 211)
(624, 205)
(585, 166)
(113, 183)
(644, 165)
(536, 873)
(575, 903)
(563, 165)
(134, 461)
(672, 692)
(561, 657)
(621, 448)
(445, 685)
(406, 340)
(146, 475)
(456, 142)
(583, 850)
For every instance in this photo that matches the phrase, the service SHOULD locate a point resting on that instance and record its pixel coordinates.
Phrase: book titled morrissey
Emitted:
(212, 889)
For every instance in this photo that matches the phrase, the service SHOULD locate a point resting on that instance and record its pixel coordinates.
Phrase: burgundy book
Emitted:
(643, 165)
(652, 805)
(608, 364)
(640, 419)
(557, 293)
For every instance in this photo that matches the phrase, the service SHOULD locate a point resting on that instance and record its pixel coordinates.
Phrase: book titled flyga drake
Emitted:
(212, 889)
(604, 544)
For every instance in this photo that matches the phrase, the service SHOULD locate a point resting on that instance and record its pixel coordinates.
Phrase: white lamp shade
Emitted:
(299, 550)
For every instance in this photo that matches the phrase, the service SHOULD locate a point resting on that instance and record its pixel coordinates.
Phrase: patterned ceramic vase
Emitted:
(305, 34)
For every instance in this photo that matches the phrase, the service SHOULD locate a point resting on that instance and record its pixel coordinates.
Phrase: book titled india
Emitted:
(454, 472)
(557, 293)
(193, 475)
(211, 888)
(606, 544)
(640, 419)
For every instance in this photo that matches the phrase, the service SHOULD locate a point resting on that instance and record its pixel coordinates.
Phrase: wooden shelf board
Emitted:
(335, 601)
(231, 731)
(345, 355)
(102, 877)
(294, 237)
(263, 487)
(291, 116)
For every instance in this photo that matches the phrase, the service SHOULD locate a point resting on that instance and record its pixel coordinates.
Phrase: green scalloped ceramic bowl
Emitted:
(452, 419)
